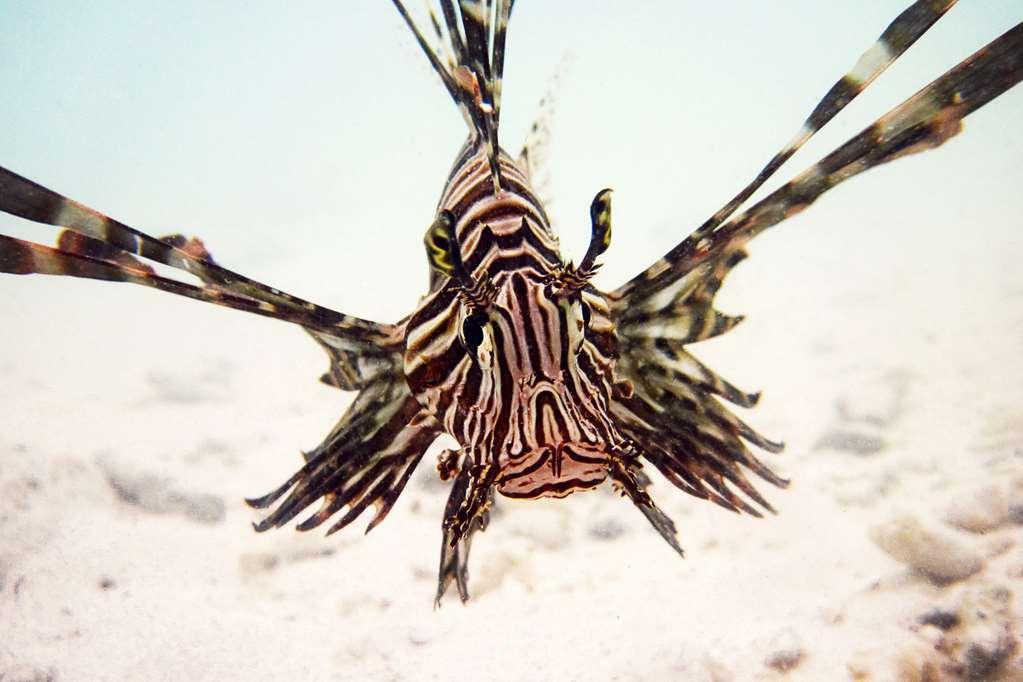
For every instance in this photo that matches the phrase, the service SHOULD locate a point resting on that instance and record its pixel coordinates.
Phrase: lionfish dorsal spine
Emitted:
(467, 51)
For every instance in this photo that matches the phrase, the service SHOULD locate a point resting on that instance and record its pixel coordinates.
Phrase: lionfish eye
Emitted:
(472, 331)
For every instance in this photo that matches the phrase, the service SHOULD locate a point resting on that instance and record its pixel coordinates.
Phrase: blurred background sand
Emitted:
(307, 149)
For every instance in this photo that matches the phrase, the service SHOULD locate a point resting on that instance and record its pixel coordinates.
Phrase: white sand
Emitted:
(888, 346)
(552, 598)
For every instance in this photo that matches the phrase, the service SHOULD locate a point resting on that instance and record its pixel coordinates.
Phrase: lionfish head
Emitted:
(521, 368)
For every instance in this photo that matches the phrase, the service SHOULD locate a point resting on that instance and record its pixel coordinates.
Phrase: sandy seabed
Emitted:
(126, 552)
(887, 340)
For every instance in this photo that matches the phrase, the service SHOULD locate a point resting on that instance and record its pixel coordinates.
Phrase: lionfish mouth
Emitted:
(554, 471)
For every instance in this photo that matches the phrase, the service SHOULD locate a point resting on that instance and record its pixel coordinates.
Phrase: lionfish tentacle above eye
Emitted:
(571, 280)
(445, 257)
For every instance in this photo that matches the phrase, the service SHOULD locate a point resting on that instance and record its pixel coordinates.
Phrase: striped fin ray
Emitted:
(696, 443)
(502, 16)
(898, 37)
(632, 483)
(486, 62)
(365, 460)
(355, 365)
(924, 121)
(453, 32)
(20, 257)
(667, 362)
(25, 199)
(683, 312)
(684, 385)
(454, 550)
(434, 53)
(468, 55)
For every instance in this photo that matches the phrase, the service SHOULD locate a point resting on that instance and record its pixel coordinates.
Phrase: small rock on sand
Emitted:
(988, 638)
(159, 495)
(606, 529)
(980, 637)
(854, 442)
(943, 619)
(786, 652)
(785, 660)
(984, 510)
(937, 555)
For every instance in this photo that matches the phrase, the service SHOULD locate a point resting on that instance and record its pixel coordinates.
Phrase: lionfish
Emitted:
(548, 385)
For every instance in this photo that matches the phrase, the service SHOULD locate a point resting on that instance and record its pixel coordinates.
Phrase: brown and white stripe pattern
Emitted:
(531, 400)
(548, 385)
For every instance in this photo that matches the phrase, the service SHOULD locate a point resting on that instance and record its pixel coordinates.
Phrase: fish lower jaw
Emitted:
(552, 472)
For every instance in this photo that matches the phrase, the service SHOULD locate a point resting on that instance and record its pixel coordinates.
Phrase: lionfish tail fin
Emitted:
(467, 51)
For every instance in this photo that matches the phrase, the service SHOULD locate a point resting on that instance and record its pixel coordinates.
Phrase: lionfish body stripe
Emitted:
(548, 385)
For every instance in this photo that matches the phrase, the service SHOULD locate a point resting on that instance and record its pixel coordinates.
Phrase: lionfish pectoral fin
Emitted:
(898, 37)
(96, 246)
(454, 550)
(632, 482)
(924, 121)
(366, 460)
